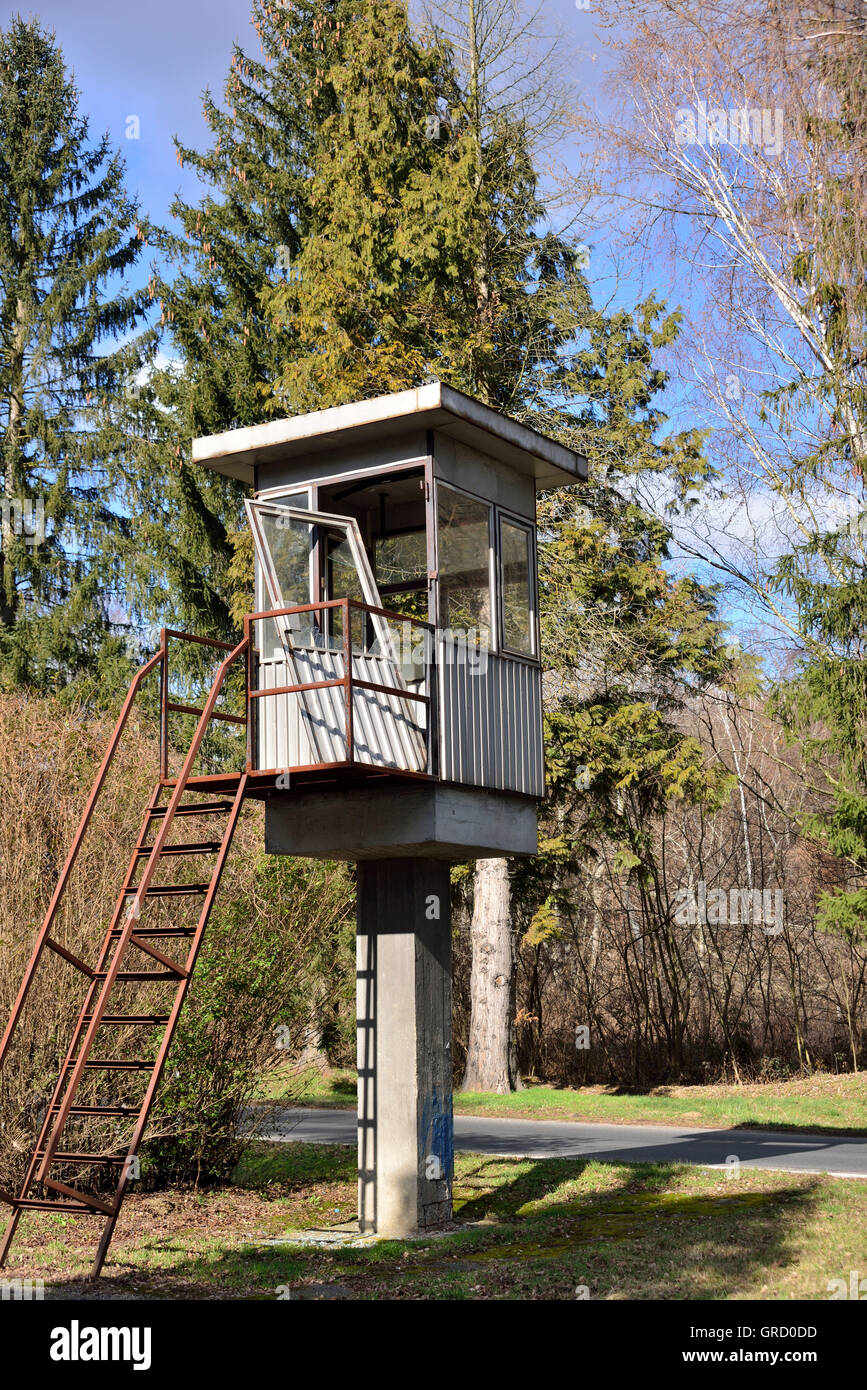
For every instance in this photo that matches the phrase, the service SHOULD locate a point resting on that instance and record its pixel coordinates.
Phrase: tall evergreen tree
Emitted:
(245, 351)
(68, 321)
(630, 640)
(231, 245)
(423, 255)
(334, 256)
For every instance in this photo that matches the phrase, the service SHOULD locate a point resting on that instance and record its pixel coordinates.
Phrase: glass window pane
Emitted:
(399, 559)
(401, 573)
(464, 569)
(517, 594)
(412, 603)
(344, 582)
(288, 542)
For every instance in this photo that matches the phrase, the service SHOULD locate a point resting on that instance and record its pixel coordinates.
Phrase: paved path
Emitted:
(757, 1148)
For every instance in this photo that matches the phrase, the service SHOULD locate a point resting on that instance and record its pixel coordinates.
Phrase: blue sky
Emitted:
(152, 59)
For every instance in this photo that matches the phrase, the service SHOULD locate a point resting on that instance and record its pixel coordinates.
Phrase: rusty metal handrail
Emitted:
(42, 938)
(168, 706)
(347, 680)
(159, 659)
(133, 912)
(337, 603)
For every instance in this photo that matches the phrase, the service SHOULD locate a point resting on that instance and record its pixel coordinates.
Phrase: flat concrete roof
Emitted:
(435, 406)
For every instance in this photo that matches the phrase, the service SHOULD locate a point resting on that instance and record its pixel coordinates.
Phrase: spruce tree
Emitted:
(238, 248)
(192, 563)
(630, 640)
(375, 298)
(333, 256)
(69, 232)
(424, 255)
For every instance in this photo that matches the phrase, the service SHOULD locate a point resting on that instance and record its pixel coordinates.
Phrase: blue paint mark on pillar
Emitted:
(436, 1136)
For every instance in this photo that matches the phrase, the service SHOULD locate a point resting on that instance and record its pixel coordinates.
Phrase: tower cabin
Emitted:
(395, 546)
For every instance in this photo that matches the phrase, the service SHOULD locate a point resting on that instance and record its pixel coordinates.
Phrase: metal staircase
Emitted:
(144, 945)
(128, 955)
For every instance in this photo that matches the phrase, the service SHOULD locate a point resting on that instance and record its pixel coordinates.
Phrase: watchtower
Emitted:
(398, 710)
(391, 703)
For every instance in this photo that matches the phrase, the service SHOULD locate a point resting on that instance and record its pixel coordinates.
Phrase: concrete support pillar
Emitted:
(404, 1022)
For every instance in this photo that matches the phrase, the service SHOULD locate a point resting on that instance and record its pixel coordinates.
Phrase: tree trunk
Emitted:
(491, 1054)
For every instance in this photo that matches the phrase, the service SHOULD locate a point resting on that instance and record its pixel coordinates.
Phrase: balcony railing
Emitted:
(371, 734)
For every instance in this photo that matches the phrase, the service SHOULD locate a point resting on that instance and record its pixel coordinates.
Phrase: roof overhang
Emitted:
(436, 407)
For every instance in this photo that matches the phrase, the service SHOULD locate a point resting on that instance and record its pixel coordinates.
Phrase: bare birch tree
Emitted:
(722, 146)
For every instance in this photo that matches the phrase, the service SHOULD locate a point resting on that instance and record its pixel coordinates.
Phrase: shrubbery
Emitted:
(277, 955)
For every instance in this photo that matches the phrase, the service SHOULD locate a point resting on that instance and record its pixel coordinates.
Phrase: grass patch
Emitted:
(819, 1104)
(524, 1229)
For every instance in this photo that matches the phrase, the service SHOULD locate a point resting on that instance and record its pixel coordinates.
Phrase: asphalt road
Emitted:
(756, 1148)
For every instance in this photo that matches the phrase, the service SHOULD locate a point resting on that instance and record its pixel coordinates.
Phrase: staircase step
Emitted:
(177, 890)
(193, 847)
(204, 808)
(87, 1160)
(44, 1204)
(139, 975)
(149, 933)
(125, 1111)
(129, 1020)
(113, 1066)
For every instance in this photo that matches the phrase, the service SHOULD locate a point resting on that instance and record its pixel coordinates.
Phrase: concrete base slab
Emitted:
(427, 820)
(351, 1238)
(326, 1238)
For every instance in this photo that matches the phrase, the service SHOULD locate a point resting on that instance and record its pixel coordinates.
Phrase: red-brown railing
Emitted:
(43, 939)
(348, 681)
(161, 659)
(168, 706)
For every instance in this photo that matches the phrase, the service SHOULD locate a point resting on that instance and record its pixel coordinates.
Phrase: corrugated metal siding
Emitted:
(282, 741)
(491, 723)
(297, 730)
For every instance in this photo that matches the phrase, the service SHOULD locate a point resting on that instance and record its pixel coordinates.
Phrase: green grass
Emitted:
(525, 1229)
(820, 1103)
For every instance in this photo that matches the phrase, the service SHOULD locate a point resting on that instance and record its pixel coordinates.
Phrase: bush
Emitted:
(277, 954)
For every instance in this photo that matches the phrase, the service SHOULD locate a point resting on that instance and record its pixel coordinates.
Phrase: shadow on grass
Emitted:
(831, 1131)
(634, 1237)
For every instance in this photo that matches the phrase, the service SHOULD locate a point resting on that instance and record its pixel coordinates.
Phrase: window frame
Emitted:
(493, 634)
(496, 516)
(260, 588)
(522, 524)
(313, 486)
(328, 521)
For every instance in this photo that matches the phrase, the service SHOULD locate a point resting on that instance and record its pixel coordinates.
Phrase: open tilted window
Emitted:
(381, 727)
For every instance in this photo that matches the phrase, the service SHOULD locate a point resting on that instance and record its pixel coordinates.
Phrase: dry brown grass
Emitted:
(274, 935)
